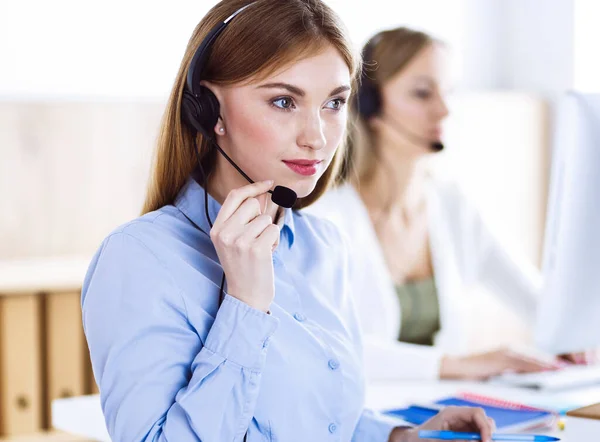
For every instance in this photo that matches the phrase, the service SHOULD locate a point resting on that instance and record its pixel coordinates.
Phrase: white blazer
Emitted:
(464, 252)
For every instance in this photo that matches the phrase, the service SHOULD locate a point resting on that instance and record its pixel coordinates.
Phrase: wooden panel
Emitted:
(20, 365)
(65, 348)
(62, 164)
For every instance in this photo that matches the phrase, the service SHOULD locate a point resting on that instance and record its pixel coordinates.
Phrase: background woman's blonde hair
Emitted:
(385, 55)
(262, 39)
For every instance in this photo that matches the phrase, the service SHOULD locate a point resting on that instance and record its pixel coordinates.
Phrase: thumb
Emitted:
(263, 199)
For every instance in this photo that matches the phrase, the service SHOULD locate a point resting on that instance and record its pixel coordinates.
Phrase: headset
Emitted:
(368, 101)
(201, 109)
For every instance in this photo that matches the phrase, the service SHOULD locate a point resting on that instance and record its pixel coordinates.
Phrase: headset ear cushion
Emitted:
(190, 111)
(202, 112)
(209, 110)
(368, 100)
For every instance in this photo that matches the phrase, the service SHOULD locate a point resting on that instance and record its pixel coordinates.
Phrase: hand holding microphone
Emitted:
(244, 239)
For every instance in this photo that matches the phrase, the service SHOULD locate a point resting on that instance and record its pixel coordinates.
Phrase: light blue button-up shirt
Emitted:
(172, 366)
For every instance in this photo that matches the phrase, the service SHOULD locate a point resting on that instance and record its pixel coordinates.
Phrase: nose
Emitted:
(442, 110)
(312, 134)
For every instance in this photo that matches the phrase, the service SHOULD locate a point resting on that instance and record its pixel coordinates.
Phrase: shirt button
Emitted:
(299, 317)
(332, 428)
(333, 364)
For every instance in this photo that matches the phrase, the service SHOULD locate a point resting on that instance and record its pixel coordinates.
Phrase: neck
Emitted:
(397, 183)
(225, 178)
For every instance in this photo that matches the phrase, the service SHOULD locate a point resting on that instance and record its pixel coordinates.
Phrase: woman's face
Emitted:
(285, 127)
(412, 104)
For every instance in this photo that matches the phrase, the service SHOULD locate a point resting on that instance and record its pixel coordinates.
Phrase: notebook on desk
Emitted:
(509, 416)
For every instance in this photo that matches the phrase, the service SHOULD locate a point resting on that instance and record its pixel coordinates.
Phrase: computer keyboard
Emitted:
(568, 377)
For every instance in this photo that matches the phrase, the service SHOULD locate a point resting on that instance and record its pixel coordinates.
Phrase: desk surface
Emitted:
(83, 416)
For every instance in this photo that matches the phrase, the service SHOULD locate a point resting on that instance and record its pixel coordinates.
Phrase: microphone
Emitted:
(434, 146)
(282, 196)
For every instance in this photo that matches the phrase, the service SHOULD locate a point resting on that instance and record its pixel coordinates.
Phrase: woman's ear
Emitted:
(214, 88)
(220, 127)
(375, 123)
(217, 91)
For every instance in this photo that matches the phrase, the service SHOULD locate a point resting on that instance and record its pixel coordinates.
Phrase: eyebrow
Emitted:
(296, 90)
(425, 78)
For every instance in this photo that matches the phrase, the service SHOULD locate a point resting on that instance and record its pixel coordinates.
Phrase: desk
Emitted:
(83, 416)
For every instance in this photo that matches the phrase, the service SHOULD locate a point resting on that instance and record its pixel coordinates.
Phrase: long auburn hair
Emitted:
(262, 39)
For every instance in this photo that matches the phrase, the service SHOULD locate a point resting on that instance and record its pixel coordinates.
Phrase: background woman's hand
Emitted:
(244, 239)
(485, 365)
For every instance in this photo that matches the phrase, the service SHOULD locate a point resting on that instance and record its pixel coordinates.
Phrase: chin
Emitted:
(303, 189)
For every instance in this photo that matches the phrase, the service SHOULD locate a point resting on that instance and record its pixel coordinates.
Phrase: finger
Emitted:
(276, 242)
(233, 228)
(268, 238)
(255, 228)
(569, 357)
(525, 364)
(264, 202)
(247, 212)
(483, 424)
(236, 197)
(469, 419)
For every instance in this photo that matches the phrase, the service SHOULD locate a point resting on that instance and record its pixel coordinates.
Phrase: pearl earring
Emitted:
(221, 130)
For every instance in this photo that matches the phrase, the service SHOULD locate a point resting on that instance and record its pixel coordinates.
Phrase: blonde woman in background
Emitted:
(417, 243)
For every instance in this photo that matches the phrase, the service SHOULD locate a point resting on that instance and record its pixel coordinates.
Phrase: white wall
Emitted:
(537, 46)
(109, 48)
(130, 48)
(587, 36)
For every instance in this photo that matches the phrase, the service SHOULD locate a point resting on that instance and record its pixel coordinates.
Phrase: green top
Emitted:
(420, 311)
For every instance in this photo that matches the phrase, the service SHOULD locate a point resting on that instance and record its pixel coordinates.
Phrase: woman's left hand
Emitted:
(467, 419)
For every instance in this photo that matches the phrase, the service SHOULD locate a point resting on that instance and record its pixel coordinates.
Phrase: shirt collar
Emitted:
(190, 201)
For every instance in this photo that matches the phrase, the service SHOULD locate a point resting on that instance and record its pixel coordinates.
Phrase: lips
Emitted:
(303, 167)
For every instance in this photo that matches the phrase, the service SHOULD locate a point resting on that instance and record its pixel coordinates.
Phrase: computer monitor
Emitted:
(569, 310)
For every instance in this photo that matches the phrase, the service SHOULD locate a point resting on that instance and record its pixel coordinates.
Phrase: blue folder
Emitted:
(506, 419)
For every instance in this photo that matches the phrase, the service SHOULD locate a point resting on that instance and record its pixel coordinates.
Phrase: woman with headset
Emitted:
(418, 241)
(219, 315)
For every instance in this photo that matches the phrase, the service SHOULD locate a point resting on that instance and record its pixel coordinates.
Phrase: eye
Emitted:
(336, 103)
(285, 103)
(423, 94)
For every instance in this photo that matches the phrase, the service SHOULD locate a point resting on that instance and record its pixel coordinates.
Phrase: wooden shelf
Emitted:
(35, 275)
(50, 436)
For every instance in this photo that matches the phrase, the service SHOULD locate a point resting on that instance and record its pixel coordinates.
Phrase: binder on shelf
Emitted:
(21, 397)
(65, 348)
